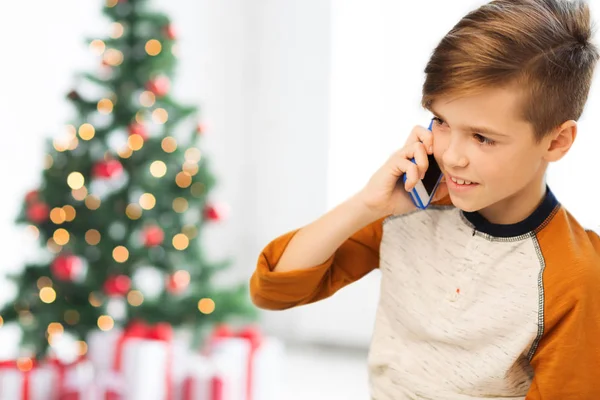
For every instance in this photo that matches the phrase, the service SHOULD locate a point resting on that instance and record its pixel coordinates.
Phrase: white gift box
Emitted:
(269, 370)
(131, 365)
(255, 375)
(205, 381)
(40, 383)
(102, 347)
(79, 381)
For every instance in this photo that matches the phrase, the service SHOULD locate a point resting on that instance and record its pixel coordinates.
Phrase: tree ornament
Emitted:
(152, 236)
(32, 196)
(160, 85)
(107, 169)
(138, 129)
(170, 32)
(38, 212)
(215, 212)
(117, 285)
(66, 267)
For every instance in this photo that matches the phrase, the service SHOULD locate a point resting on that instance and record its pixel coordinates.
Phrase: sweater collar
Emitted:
(529, 224)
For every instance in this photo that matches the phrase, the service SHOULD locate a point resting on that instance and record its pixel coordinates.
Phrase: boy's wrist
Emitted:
(365, 213)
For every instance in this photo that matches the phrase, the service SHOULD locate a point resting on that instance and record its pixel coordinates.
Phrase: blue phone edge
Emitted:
(414, 196)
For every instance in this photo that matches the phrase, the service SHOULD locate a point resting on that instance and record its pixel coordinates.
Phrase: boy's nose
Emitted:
(454, 156)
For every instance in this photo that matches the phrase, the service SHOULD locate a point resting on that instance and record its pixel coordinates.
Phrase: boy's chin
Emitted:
(466, 206)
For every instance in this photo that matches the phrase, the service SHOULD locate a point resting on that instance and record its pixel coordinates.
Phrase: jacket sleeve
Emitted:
(356, 257)
(566, 362)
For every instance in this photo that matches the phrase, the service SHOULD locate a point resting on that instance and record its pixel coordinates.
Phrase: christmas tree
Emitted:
(123, 201)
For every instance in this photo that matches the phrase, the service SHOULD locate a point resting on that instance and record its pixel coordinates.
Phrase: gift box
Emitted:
(102, 347)
(205, 381)
(253, 362)
(135, 363)
(25, 379)
(75, 380)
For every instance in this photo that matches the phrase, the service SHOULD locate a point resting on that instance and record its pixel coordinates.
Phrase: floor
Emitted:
(324, 373)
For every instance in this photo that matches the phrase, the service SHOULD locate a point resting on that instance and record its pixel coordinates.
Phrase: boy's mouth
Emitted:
(459, 181)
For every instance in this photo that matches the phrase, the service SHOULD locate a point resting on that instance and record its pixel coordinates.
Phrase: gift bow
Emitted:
(254, 338)
(141, 330)
(252, 334)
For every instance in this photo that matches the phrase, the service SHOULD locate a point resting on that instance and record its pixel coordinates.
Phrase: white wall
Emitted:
(42, 49)
(258, 70)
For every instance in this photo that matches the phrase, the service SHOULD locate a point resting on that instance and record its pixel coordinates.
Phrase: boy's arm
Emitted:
(566, 362)
(312, 263)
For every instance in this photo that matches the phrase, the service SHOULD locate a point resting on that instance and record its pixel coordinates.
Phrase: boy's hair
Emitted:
(542, 47)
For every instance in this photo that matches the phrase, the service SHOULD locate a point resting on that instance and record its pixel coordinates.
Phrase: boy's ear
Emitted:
(560, 141)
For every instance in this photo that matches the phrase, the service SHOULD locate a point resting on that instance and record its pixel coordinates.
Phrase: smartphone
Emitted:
(425, 188)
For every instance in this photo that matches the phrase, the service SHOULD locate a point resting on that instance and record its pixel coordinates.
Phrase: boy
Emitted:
(494, 291)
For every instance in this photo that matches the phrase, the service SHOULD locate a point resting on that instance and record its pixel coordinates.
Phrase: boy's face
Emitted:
(481, 139)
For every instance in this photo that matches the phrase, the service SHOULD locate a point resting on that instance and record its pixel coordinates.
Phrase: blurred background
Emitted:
(300, 102)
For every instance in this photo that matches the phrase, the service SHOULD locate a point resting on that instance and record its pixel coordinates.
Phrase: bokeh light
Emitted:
(206, 305)
(153, 47)
(180, 241)
(105, 323)
(169, 144)
(120, 254)
(158, 169)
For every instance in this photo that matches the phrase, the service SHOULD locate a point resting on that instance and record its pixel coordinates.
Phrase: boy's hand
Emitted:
(385, 192)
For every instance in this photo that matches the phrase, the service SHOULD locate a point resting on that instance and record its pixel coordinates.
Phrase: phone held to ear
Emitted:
(425, 188)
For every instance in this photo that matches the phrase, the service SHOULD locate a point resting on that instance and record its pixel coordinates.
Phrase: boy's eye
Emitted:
(482, 139)
(438, 121)
(478, 137)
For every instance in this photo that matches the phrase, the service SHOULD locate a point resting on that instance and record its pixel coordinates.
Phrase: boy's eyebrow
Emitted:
(476, 129)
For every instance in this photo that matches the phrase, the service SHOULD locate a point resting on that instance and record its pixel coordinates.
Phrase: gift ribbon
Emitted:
(110, 383)
(217, 388)
(141, 330)
(254, 338)
(61, 369)
(13, 364)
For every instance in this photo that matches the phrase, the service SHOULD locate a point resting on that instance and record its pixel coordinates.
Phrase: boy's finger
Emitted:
(411, 172)
(425, 136)
(420, 156)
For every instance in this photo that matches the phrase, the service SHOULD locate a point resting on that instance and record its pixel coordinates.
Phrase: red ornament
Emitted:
(107, 169)
(200, 128)
(117, 285)
(152, 236)
(214, 212)
(159, 86)
(66, 267)
(32, 196)
(178, 282)
(170, 32)
(138, 129)
(38, 212)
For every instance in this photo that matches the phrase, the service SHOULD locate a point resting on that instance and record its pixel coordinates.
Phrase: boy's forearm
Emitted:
(318, 241)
